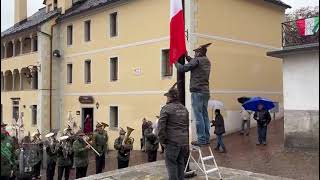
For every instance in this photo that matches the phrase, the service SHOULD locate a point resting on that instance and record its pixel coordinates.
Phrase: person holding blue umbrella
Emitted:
(261, 106)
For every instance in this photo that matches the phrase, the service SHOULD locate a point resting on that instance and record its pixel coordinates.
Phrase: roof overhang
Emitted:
(279, 3)
(293, 50)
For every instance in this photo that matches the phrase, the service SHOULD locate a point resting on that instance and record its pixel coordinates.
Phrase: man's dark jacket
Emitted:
(200, 71)
(262, 117)
(219, 125)
(174, 124)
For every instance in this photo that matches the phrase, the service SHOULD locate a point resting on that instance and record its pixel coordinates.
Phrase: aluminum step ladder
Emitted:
(202, 160)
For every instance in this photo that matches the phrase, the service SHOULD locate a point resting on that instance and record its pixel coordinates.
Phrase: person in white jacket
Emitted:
(156, 132)
(245, 116)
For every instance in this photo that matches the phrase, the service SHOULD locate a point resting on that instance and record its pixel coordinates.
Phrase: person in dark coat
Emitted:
(152, 143)
(199, 67)
(219, 131)
(174, 134)
(144, 127)
(80, 155)
(123, 150)
(263, 118)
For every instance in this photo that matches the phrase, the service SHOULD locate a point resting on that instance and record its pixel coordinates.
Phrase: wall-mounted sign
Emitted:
(137, 71)
(86, 100)
(78, 113)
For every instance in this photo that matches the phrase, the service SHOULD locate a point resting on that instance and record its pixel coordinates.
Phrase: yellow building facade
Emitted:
(112, 60)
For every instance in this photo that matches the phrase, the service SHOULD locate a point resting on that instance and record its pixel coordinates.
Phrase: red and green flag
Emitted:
(309, 26)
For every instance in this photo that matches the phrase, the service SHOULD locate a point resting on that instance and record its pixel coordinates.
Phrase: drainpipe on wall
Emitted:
(50, 83)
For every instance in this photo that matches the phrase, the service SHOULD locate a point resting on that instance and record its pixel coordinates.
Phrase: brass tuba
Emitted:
(128, 140)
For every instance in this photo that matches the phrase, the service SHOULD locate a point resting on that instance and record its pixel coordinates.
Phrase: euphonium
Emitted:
(128, 140)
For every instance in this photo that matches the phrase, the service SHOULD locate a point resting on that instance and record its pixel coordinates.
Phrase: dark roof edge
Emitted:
(64, 17)
(279, 3)
(293, 49)
(17, 32)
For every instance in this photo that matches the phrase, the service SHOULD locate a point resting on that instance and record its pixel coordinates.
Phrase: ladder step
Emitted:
(212, 170)
(207, 158)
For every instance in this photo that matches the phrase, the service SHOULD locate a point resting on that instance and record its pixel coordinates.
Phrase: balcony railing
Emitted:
(292, 37)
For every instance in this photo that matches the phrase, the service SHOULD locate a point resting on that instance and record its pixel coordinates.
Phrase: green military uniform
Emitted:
(81, 159)
(123, 152)
(64, 159)
(7, 156)
(99, 142)
(51, 159)
(38, 158)
(152, 144)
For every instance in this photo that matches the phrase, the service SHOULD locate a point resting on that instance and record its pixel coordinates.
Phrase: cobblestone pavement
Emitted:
(243, 154)
(147, 172)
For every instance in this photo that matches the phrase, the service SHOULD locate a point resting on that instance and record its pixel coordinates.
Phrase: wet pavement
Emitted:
(243, 154)
(147, 172)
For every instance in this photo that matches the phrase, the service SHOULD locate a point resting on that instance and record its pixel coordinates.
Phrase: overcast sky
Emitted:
(7, 6)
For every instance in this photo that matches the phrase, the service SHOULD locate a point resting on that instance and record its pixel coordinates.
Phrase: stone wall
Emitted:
(301, 129)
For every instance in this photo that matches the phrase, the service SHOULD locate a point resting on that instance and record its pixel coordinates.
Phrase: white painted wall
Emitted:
(301, 81)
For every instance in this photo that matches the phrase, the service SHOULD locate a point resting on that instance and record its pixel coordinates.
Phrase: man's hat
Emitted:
(3, 124)
(67, 129)
(173, 92)
(99, 125)
(35, 134)
(202, 47)
(122, 132)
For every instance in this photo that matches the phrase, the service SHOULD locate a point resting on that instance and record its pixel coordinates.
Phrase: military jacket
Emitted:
(123, 150)
(64, 155)
(80, 153)
(100, 141)
(7, 155)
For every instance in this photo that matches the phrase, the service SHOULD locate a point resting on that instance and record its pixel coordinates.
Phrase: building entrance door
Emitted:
(87, 120)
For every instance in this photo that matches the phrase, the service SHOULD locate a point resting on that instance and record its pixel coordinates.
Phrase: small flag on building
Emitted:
(177, 33)
(308, 26)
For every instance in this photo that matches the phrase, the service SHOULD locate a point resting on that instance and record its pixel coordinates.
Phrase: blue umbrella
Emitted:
(253, 103)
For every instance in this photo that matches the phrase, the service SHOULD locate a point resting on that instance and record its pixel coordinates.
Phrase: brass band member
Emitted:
(123, 150)
(81, 152)
(27, 159)
(99, 142)
(39, 153)
(7, 154)
(174, 134)
(51, 150)
(152, 143)
(64, 153)
(69, 132)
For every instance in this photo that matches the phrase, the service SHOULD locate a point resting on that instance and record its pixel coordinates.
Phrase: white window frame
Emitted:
(71, 73)
(84, 30)
(174, 71)
(72, 42)
(109, 24)
(109, 111)
(32, 109)
(118, 64)
(85, 78)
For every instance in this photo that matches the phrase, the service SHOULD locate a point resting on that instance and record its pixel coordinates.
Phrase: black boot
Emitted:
(216, 148)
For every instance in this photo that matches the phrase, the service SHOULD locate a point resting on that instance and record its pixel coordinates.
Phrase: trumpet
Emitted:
(84, 139)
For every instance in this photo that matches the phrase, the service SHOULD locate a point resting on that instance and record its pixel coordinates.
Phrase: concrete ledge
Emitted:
(301, 129)
(157, 171)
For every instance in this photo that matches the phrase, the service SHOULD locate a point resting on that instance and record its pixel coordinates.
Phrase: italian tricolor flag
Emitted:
(308, 26)
(177, 33)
